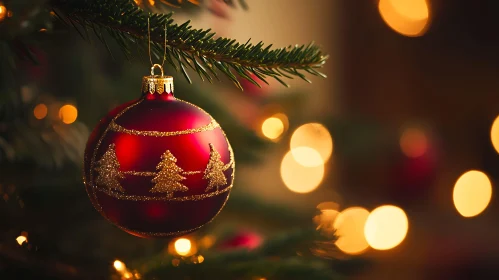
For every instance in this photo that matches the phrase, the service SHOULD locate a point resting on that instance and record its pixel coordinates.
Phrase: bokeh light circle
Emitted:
(183, 246)
(315, 136)
(272, 128)
(40, 111)
(494, 134)
(472, 193)
(386, 227)
(413, 142)
(299, 178)
(407, 17)
(68, 114)
(349, 225)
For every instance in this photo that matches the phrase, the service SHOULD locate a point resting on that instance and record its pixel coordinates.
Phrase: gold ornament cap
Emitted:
(157, 83)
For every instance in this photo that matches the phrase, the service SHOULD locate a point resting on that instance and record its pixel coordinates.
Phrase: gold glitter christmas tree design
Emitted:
(214, 170)
(108, 168)
(168, 176)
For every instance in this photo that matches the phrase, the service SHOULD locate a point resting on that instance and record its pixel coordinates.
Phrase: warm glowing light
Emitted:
(68, 114)
(272, 128)
(299, 178)
(127, 275)
(494, 134)
(307, 156)
(325, 221)
(151, 2)
(407, 17)
(207, 241)
(183, 246)
(386, 227)
(315, 136)
(40, 111)
(119, 265)
(138, 2)
(349, 225)
(21, 239)
(413, 142)
(3, 12)
(200, 259)
(328, 205)
(472, 193)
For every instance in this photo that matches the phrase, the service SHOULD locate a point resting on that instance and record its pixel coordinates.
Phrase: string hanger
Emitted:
(153, 65)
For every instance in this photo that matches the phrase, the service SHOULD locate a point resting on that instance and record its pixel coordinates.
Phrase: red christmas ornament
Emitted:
(158, 166)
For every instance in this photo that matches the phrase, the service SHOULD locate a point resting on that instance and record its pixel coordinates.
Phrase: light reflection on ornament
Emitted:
(299, 178)
(386, 227)
(349, 225)
(472, 193)
(183, 246)
(413, 142)
(407, 17)
(40, 111)
(68, 114)
(315, 136)
(494, 134)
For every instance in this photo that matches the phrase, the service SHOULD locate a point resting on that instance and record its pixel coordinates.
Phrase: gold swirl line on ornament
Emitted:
(139, 173)
(151, 174)
(196, 197)
(94, 156)
(118, 128)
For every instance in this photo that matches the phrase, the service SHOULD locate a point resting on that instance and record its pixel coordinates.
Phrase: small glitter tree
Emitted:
(214, 171)
(169, 176)
(108, 168)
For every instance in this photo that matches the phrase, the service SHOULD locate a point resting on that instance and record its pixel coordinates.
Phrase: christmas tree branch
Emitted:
(187, 47)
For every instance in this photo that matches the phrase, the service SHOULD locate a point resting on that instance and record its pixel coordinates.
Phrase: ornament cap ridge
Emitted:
(157, 83)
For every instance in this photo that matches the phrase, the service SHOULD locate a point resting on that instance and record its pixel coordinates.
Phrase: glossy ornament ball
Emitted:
(158, 166)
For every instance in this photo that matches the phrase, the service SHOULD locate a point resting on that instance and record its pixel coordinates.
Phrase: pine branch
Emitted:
(188, 47)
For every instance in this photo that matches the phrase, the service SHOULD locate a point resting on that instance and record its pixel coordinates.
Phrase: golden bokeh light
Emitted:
(40, 111)
(328, 205)
(386, 227)
(21, 239)
(119, 265)
(200, 259)
(315, 136)
(407, 17)
(272, 128)
(413, 142)
(299, 178)
(68, 114)
(183, 246)
(3, 12)
(494, 134)
(472, 193)
(349, 225)
(307, 156)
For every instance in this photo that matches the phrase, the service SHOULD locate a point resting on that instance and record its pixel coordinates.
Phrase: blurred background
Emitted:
(396, 152)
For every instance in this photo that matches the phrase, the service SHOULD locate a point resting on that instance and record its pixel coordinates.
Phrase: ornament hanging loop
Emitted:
(164, 49)
(154, 66)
